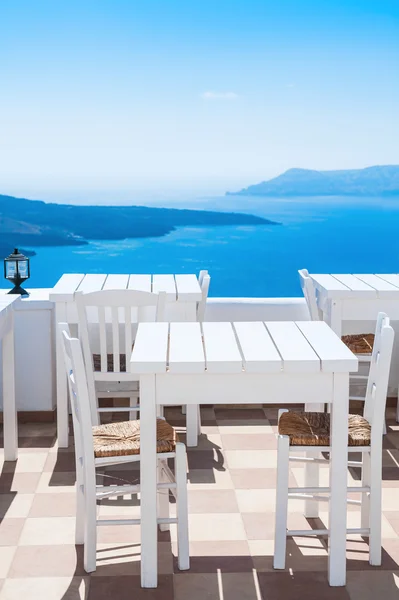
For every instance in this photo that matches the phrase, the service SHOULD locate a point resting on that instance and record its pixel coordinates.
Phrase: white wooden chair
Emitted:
(101, 446)
(363, 342)
(307, 432)
(107, 328)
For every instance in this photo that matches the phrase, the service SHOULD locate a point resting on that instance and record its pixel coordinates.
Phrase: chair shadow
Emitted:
(6, 479)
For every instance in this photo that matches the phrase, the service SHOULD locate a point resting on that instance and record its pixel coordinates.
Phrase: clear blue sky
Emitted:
(117, 99)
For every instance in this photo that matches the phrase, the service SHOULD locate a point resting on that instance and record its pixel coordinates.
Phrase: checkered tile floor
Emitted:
(231, 503)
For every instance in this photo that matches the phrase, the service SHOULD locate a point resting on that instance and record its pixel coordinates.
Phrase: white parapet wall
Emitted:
(35, 335)
(256, 309)
(34, 352)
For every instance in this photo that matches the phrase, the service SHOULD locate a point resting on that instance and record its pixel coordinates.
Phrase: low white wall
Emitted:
(256, 309)
(34, 339)
(34, 353)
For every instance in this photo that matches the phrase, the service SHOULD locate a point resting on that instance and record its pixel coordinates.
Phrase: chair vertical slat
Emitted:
(128, 333)
(103, 338)
(115, 338)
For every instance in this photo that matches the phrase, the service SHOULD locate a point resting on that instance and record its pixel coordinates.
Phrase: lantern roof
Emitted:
(16, 255)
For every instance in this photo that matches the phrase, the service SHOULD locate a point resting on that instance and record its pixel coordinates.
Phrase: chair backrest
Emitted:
(377, 384)
(204, 281)
(309, 292)
(80, 402)
(108, 322)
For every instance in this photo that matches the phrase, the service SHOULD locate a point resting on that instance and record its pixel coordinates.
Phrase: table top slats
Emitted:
(296, 352)
(186, 350)
(65, 287)
(377, 283)
(391, 278)
(188, 288)
(329, 283)
(165, 283)
(221, 351)
(355, 284)
(142, 283)
(257, 347)
(334, 355)
(150, 350)
(92, 282)
(116, 282)
(183, 288)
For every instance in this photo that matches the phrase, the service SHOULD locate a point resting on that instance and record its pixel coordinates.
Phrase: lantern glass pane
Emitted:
(23, 268)
(11, 269)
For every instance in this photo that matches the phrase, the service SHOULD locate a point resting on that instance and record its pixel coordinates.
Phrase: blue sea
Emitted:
(336, 235)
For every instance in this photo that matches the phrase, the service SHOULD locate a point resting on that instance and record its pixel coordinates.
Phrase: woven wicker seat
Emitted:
(110, 363)
(121, 439)
(313, 429)
(361, 343)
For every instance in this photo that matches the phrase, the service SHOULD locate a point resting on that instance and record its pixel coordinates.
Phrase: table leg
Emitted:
(312, 478)
(148, 485)
(62, 392)
(338, 480)
(9, 407)
(192, 425)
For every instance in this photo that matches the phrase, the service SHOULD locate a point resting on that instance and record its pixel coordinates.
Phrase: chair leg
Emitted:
(280, 535)
(90, 546)
(192, 425)
(80, 508)
(365, 508)
(375, 505)
(311, 480)
(182, 508)
(163, 498)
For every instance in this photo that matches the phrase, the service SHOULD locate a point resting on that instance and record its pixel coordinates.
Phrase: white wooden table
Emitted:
(182, 295)
(356, 297)
(10, 426)
(213, 363)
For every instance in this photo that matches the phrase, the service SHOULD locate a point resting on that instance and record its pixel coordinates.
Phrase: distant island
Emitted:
(372, 181)
(35, 223)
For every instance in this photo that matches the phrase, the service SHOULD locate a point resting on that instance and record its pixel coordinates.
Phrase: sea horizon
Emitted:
(329, 234)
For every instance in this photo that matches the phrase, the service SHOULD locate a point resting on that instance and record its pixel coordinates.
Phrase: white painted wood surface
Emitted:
(221, 351)
(296, 352)
(186, 351)
(140, 282)
(287, 363)
(187, 288)
(257, 348)
(333, 354)
(151, 348)
(165, 283)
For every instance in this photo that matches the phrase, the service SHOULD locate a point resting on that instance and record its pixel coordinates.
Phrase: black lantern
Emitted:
(17, 270)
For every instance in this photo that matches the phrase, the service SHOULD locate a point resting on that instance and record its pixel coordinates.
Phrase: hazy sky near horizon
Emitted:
(115, 99)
